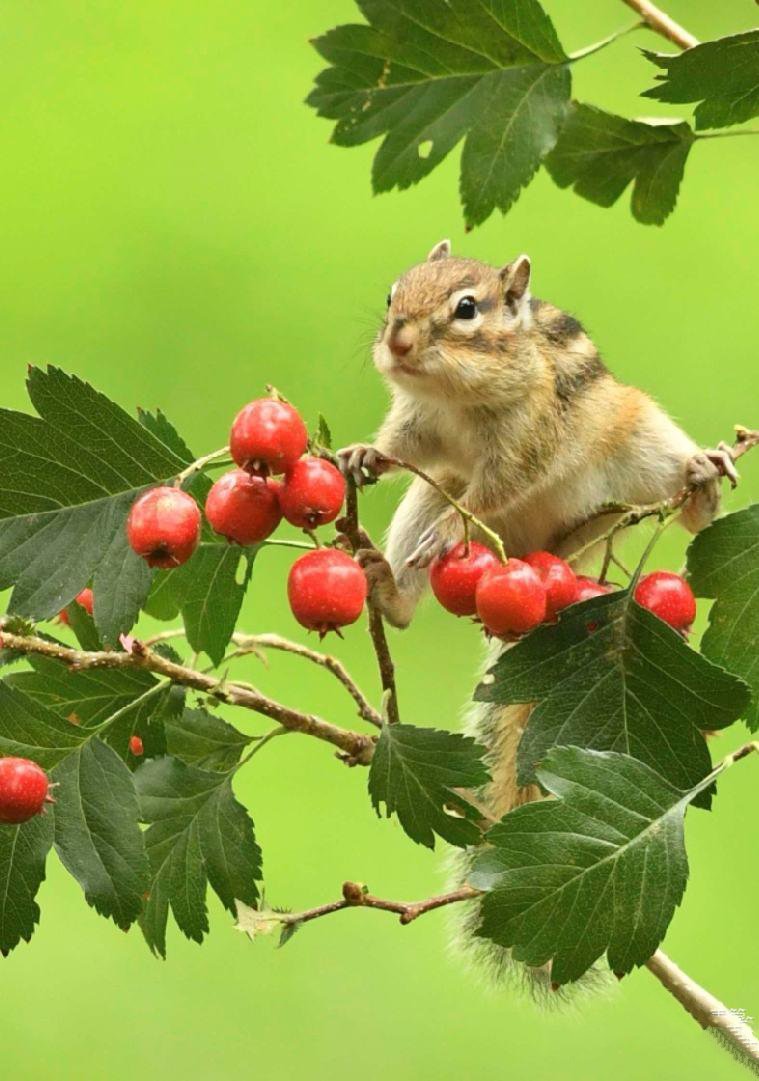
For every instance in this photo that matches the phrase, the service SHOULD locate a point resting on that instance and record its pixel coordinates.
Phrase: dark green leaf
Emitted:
(426, 77)
(414, 772)
(199, 833)
(600, 870)
(97, 833)
(611, 676)
(723, 562)
(29, 730)
(722, 75)
(67, 481)
(83, 626)
(204, 740)
(162, 428)
(599, 154)
(23, 852)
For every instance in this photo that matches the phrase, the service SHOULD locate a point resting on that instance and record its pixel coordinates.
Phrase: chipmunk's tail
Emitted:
(499, 728)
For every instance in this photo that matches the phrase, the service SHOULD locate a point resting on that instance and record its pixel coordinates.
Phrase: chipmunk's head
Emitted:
(453, 326)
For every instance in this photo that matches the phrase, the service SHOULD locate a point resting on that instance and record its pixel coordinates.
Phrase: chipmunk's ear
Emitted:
(441, 251)
(516, 283)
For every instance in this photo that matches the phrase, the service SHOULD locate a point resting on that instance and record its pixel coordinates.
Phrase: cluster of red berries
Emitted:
(326, 588)
(514, 597)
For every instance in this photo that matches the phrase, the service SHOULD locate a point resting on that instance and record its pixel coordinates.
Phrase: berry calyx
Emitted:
(136, 746)
(312, 493)
(268, 436)
(164, 527)
(511, 598)
(454, 576)
(669, 597)
(242, 508)
(24, 790)
(589, 587)
(558, 578)
(85, 599)
(326, 590)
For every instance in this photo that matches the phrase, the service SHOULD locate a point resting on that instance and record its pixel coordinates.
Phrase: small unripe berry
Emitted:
(243, 508)
(85, 599)
(558, 578)
(511, 599)
(136, 746)
(24, 789)
(669, 597)
(268, 436)
(164, 527)
(589, 587)
(326, 590)
(454, 576)
(313, 493)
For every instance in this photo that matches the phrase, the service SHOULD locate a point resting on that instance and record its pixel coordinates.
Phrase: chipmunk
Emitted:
(504, 400)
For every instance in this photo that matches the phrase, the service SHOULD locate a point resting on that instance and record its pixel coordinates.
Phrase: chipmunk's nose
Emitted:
(402, 337)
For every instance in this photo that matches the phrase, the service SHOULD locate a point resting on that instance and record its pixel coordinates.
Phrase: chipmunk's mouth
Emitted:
(404, 369)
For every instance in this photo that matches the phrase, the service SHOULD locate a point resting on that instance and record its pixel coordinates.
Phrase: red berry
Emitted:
(511, 598)
(164, 527)
(313, 493)
(242, 508)
(24, 789)
(669, 597)
(85, 599)
(326, 590)
(136, 746)
(454, 576)
(268, 436)
(558, 578)
(589, 587)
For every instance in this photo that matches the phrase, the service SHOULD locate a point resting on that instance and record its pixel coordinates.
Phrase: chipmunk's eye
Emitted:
(466, 308)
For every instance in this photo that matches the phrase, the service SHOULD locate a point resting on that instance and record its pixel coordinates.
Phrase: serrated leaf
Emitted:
(83, 626)
(161, 427)
(67, 481)
(722, 75)
(601, 869)
(202, 739)
(414, 772)
(599, 155)
(612, 676)
(29, 730)
(198, 834)
(723, 562)
(426, 77)
(323, 433)
(97, 833)
(23, 854)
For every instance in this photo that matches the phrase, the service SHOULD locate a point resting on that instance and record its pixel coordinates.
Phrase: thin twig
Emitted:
(355, 896)
(200, 464)
(662, 23)
(357, 749)
(251, 643)
(588, 50)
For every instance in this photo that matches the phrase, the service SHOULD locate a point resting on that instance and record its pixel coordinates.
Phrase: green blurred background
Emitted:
(176, 229)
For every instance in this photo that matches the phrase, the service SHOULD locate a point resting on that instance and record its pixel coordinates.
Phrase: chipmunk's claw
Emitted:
(362, 463)
(433, 543)
(710, 464)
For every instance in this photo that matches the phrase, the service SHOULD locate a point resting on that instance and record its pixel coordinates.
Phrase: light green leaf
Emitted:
(23, 853)
(202, 739)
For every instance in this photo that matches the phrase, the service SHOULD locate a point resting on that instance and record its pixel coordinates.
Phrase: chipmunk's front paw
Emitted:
(434, 542)
(709, 465)
(361, 462)
(379, 574)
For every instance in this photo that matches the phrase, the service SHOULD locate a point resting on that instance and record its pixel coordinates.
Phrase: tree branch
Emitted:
(661, 23)
(357, 749)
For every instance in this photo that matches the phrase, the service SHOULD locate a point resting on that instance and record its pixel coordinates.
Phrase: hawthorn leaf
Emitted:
(414, 772)
(612, 676)
(30, 730)
(722, 75)
(23, 854)
(198, 834)
(97, 832)
(67, 480)
(199, 738)
(599, 154)
(723, 562)
(493, 74)
(599, 870)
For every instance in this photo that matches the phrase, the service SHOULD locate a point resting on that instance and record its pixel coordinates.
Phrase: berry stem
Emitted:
(200, 464)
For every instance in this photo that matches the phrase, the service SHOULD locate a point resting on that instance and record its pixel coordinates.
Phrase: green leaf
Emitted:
(600, 870)
(97, 832)
(29, 730)
(67, 481)
(599, 154)
(723, 562)
(722, 75)
(202, 739)
(612, 676)
(198, 833)
(426, 77)
(23, 853)
(323, 435)
(414, 772)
